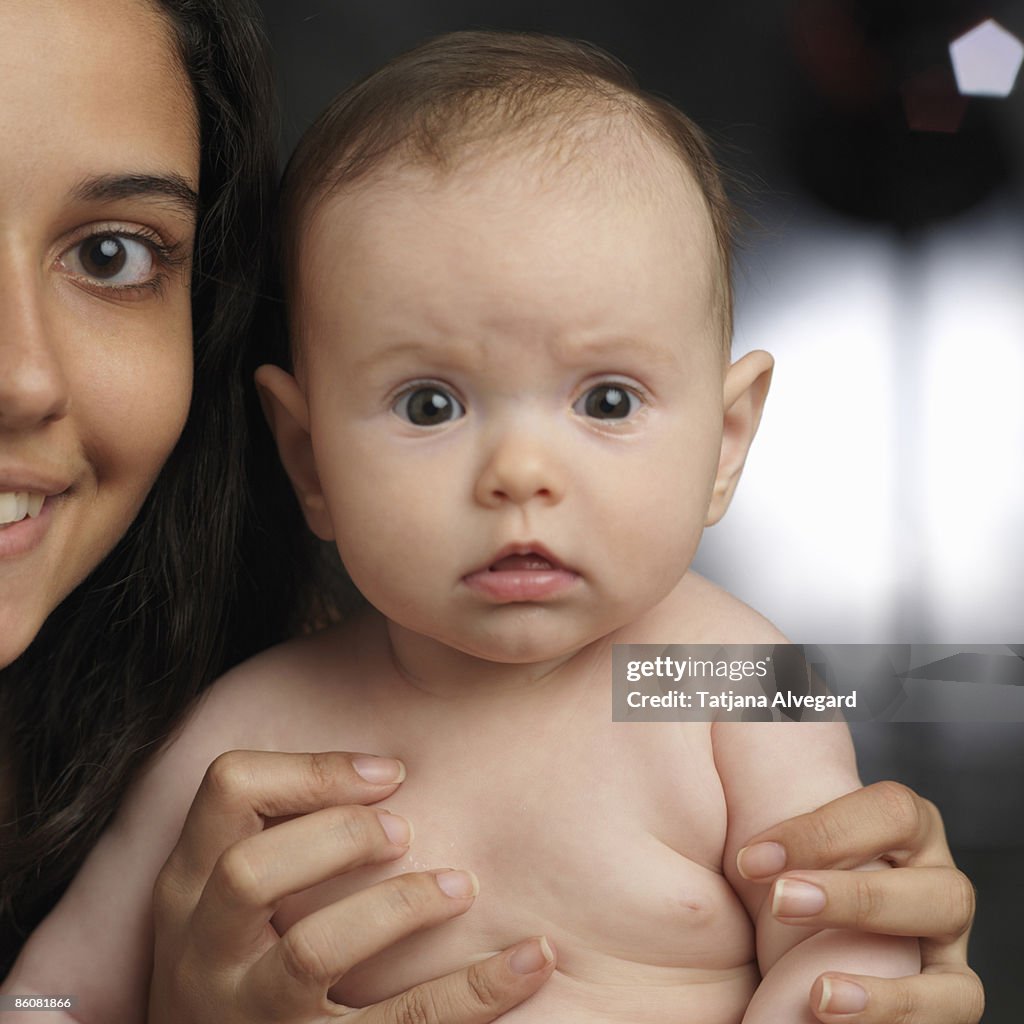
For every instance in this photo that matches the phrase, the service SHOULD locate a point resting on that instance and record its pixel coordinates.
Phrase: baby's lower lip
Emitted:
(521, 578)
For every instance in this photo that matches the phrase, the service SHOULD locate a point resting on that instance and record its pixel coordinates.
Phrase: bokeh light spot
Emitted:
(986, 60)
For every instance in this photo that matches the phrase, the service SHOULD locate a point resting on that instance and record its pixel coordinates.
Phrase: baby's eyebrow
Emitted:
(613, 347)
(628, 352)
(396, 351)
(570, 352)
(107, 188)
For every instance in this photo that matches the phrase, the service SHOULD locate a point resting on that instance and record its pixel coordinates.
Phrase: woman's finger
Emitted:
(320, 949)
(251, 877)
(884, 820)
(934, 902)
(935, 997)
(476, 995)
(244, 788)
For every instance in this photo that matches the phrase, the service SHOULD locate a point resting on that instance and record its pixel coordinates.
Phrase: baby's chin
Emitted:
(524, 635)
(521, 633)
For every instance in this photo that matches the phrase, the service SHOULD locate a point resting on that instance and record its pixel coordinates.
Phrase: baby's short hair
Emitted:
(434, 104)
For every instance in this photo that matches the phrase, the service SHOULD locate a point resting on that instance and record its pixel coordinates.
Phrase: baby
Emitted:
(513, 412)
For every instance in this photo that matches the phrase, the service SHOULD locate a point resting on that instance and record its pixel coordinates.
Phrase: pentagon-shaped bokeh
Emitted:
(986, 60)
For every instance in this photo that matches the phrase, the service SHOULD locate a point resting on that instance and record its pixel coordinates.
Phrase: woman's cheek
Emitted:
(138, 414)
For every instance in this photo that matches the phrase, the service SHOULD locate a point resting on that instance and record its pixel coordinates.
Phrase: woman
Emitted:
(134, 180)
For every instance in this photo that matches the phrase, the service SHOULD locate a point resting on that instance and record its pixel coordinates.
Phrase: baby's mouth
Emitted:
(529, 562)
(526, 573)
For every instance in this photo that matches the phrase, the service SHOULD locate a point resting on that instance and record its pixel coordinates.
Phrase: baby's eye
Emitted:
(428, 405)
(607, 402)
(111, 260)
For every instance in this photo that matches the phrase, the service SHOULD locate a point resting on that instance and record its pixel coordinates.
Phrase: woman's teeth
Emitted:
(15, 505)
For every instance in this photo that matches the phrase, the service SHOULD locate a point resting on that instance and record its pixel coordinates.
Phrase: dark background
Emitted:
(884, 269)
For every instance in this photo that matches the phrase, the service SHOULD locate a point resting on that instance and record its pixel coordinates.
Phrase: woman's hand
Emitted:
(927, 897)
(218, 960)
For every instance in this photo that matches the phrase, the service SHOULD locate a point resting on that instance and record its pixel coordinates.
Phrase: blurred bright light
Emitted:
(810, 539)
(973, 419)
(986, 60)
(883, 499)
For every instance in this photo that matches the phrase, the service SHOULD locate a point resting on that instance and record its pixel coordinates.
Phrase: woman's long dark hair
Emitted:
(204, 576)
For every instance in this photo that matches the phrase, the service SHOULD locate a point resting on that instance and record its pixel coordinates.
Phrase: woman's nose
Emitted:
(33, 383)
(519, 469)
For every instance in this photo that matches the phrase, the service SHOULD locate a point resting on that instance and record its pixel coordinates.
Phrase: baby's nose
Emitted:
(520, 468)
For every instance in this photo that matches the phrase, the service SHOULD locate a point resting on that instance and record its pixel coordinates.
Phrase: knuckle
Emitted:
(904, 1009)
(963, 901)
(973, 999)
(408, 897)
(229, 775)
(866, 899)
(351, 828)
(169, 891)
(238, 878)
(416, 1006)
(321, 774)
(163, 896)
(481, 989)
(301, 957)
(829, 836)
(903, 809)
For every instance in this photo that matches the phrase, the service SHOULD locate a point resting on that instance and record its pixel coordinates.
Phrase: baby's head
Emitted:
(557, 107)
(510, 299)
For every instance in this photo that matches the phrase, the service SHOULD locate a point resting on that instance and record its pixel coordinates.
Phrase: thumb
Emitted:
(937, 997)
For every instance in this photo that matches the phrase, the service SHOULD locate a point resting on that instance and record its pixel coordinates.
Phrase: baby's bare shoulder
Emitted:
(268, 701)
(699, 612)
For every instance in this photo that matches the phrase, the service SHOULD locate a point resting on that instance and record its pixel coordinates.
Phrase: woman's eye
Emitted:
(112, 260)
(607, 402)
(429, 405)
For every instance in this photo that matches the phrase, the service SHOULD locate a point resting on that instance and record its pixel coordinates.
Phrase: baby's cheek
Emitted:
(386, 533)
(665, 512)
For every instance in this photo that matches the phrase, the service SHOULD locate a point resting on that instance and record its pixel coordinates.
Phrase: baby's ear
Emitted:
(287, 412)
(744, 392)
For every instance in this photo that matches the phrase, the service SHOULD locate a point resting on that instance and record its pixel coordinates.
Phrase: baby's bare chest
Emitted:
(606, 837)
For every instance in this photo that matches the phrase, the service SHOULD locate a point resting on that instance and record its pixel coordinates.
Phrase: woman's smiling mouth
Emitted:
(16, 505)
(23, 523)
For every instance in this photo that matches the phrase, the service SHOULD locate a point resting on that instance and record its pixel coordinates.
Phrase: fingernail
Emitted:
(796, 899)
(841, 996)
(761, 859)
(531, 956)
(459, 885)
(397, 829)
(380, 770)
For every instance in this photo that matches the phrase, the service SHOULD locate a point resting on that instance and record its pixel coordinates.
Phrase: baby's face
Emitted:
(515, 401)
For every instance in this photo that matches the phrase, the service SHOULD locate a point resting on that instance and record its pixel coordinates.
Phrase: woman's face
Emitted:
(99, 166)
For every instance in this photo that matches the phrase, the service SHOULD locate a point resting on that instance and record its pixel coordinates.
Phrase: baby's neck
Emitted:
(435, 668)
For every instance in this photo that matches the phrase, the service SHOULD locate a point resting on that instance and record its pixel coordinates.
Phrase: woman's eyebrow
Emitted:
(112, 187)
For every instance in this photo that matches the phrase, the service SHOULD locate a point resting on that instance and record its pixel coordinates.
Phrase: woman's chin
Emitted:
(17, 630)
